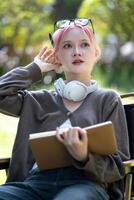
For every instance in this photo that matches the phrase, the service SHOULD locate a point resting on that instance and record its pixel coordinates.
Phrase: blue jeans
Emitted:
(59, 184)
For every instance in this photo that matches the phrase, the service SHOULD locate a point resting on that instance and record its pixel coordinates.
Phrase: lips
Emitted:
(77, 61)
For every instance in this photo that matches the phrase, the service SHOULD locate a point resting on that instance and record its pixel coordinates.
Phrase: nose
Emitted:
(77, 52)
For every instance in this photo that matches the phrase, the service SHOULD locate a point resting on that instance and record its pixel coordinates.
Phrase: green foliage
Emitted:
(110, 16)
(24, 22)
(24, 26)
(114, 25)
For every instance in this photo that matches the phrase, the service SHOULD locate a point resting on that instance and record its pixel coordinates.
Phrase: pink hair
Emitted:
(58, 35)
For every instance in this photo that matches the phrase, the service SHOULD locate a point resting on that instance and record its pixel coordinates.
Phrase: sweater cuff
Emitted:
(34, 72)
(80, 164)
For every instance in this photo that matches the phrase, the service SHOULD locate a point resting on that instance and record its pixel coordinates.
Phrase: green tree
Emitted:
(23, 24)
(114, 25)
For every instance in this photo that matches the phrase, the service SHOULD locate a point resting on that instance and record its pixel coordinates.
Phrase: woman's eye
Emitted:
(66, 46)
(85, 44)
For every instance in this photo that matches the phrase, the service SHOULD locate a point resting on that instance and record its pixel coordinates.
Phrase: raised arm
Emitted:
(13, 85)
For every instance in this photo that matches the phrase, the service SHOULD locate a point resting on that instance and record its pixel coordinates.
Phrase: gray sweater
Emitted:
(42, 110)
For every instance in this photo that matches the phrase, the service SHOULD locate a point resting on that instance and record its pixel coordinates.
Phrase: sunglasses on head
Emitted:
(66, 22)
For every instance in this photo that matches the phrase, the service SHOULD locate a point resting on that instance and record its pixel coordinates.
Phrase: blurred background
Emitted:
(25, 25)
(24, 28)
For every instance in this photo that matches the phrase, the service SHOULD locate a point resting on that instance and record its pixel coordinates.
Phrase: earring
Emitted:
(59, 70)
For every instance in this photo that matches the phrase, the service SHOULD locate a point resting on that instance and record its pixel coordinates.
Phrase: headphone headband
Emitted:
(74, 90)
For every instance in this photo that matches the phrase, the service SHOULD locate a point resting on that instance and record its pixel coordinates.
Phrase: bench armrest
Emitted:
(4, 163)
(129, 166)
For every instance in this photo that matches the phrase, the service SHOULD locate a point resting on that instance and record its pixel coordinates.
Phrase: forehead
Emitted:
(75, 33)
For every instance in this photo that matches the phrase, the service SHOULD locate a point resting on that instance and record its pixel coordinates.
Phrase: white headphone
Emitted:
(74, 90)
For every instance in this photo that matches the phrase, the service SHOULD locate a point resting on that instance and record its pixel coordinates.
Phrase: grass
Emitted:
(8, 128)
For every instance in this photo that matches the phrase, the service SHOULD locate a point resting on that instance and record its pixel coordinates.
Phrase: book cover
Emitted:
(49, 153)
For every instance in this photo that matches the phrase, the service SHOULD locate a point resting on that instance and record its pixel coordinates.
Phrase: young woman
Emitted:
(75, 103)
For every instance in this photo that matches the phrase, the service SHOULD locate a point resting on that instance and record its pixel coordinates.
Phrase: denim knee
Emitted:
(82, 192)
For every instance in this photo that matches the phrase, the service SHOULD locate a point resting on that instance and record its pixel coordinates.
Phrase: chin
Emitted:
(78, 69)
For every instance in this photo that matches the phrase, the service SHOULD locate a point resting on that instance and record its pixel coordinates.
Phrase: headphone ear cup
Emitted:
(59, 86)
(74, 91)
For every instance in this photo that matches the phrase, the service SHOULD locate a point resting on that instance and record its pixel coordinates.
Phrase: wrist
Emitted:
(40, 64)
(82, 163)
(34, 72)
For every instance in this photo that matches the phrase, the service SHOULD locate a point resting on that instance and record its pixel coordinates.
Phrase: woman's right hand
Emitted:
(46, 60)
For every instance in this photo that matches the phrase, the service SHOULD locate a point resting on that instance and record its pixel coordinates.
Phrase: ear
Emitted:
(57, 60)
(59, 69)
(97, 54)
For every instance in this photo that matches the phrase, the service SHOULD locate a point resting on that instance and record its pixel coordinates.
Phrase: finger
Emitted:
(74, 134)
(68, 136)
(77, 134)
(70, 133)
(59, 135)
(64, 135)
(46, 54)
(83, 135)
(42, 51)
(51, 58)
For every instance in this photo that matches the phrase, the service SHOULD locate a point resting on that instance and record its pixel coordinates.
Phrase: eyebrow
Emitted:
(66, 41)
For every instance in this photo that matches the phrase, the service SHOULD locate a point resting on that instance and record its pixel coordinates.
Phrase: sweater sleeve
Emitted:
(108, 169)
(13, 85)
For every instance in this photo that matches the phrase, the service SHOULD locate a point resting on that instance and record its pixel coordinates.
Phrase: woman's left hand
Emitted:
(76, 141)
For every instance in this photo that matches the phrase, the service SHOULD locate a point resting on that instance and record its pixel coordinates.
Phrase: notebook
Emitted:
(49, 153)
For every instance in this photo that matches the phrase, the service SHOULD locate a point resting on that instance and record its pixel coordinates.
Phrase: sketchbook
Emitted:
(49, 153)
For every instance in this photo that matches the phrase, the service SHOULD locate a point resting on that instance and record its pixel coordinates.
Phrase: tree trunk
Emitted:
(65, 9)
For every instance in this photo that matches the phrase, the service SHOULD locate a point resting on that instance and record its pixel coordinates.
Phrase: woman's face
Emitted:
(76, 53)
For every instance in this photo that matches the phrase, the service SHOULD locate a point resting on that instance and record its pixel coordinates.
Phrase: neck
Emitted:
(84, 79)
